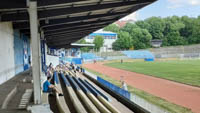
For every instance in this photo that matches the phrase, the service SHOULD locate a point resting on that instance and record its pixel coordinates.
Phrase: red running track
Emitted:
(181, 94)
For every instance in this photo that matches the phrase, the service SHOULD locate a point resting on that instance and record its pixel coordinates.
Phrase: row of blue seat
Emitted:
(73, 83)
(55, 77)
(100, 93)
(65, 80)
(137, 54)
(90, 56)
(79, 84)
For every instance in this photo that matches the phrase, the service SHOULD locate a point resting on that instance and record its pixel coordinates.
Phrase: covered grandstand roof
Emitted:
(66, 21)
(102, 31)
(74, 45)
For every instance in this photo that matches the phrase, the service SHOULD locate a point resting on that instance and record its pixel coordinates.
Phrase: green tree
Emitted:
(112, 28)
(81, 41)
(157, 26)
(84, 49)
(143, 24)
(194, 38)
(128, 27)
(174, 38)
(186, 32)
(124, 41)
(172, 31)
(141, 38)
(98, 41)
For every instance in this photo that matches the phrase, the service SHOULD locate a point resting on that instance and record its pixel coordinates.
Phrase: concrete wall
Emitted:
(21, 60)
(190, 51)
(14, 52)
(7, 63)
(18, 53)
(52, 59)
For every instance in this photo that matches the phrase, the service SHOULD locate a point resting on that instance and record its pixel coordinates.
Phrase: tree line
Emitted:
(98, 42)
(171, 30)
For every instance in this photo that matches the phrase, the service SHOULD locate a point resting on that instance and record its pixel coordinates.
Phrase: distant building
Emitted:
(109, 38)
(122, 23)
(156, 43)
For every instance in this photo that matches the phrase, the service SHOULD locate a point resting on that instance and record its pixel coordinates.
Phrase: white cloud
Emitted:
(132, 16)
(194, 2)
(181, 3)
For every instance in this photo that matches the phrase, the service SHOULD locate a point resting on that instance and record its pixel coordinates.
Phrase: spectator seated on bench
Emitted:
(49, 88)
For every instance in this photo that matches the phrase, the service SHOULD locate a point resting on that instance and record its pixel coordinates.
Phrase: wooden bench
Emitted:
(60, 100)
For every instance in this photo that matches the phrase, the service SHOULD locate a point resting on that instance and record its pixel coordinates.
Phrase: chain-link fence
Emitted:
(191, 51)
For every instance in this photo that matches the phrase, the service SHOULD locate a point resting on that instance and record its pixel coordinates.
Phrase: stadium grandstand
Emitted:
(34, 34)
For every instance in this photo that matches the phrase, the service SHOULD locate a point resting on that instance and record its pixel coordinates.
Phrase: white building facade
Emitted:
(109, 39)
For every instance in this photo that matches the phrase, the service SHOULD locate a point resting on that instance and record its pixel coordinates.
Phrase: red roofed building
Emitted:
(122, 23)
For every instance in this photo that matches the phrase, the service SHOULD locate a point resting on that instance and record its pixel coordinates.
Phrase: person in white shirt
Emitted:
(124, 86)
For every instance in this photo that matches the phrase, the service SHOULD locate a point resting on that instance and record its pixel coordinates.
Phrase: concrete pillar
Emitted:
(35, 51)
(40, 55)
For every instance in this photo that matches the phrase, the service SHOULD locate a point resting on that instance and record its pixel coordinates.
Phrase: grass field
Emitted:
(172, 108)
(183, 71)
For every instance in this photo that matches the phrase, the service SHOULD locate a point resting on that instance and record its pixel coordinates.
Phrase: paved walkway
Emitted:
(6, 87)
(177, 93)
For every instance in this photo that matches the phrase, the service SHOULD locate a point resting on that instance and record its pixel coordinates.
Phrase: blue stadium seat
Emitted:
(55, 77)
(65, 80)
(98, 91)
(73, 83)
(90, 56)
(136, 54)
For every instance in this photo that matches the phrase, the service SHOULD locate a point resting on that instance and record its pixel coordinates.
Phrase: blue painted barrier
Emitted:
(94, 92)
(98, 91)
(55, 76)
(71, 60)
(149, 59)
(114, 88)
(85, 90)
(65, 80)
(73, 83)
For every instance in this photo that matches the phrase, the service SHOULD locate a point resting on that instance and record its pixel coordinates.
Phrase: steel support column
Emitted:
(35, 51)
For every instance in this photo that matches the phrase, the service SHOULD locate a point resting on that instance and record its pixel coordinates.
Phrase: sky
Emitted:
(165, 8)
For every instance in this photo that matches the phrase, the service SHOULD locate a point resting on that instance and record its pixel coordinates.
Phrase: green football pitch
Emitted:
(183, 71)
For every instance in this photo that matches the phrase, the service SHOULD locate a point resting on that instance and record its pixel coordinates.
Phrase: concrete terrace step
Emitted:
(25, 99)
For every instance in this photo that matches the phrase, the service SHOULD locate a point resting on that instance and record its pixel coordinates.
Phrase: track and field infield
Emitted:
(183, 71)
(181, 94)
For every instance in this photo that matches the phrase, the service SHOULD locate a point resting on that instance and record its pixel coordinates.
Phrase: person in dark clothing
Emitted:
(29, 60)
(121, 61)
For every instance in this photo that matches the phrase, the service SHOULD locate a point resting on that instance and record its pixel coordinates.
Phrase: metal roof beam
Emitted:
(65, 41)
(9, 5)
(43, 14)
(27, 31)
(75, 30)
(14, 4)
(25, 25)
(53, 3)
(57, 37)
(79, 24)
